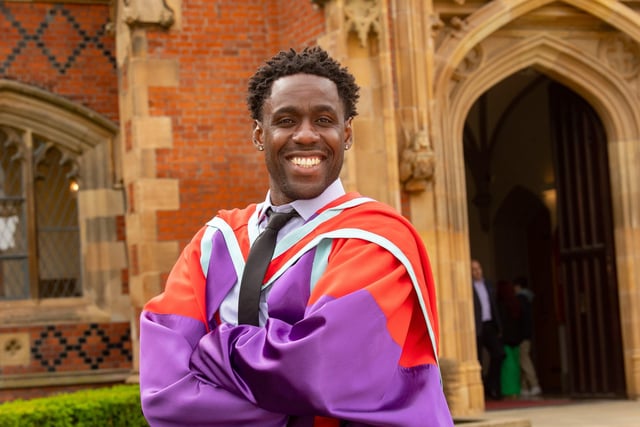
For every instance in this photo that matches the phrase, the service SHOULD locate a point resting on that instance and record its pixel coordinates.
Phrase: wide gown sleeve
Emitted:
(361, 352)
(171, 325)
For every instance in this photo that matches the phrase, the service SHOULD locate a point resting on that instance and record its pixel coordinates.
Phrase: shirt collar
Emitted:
(305, 207)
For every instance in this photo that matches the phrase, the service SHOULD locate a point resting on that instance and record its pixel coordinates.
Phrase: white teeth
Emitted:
(305, 162)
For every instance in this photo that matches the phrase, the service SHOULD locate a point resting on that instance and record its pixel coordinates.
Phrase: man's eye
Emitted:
(284, 121)
(325, 120)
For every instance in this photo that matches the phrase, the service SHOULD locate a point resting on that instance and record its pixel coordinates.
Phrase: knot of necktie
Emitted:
(277, 220)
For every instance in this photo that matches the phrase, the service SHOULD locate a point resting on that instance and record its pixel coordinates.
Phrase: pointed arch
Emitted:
(75, 127)
(611, 97)
(490, 18)
(611, 94)
(64, 195)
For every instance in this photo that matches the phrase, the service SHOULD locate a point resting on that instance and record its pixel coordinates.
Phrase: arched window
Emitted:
(62, 230)
(39, 232)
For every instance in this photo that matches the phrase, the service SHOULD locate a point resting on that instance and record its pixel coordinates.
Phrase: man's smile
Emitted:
(305, 162)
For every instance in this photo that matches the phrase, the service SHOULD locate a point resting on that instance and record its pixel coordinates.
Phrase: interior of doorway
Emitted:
(512, 206)
(539, 206)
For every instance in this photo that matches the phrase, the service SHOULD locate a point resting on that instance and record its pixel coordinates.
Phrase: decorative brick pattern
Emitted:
(40, 39)
(74, 348)
(63, 48)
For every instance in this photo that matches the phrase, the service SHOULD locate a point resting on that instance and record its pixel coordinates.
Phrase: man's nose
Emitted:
(305, 133)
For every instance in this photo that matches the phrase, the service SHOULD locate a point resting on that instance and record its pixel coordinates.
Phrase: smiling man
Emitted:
(304, 130)
(340, 330)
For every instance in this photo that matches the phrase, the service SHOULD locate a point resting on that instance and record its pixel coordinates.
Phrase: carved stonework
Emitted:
(470, 63)
(66, 158)
(12, 139)
(417, 163)
(447, 27)
(621, 53)
(362, 16)
(15, 349)
(459, 25)
(148, 12)
(437, 24)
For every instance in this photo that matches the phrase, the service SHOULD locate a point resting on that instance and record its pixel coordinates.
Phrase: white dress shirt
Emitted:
(483, 296)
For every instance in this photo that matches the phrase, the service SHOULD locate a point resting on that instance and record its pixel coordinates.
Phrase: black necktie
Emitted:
(257, 262)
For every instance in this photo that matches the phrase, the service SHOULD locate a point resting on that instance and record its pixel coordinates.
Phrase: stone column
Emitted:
(142, 134)
(623, 155)
(428, 171)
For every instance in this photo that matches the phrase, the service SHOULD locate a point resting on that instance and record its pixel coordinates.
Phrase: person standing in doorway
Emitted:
(488, 330)
(510, 319)
(529, 379)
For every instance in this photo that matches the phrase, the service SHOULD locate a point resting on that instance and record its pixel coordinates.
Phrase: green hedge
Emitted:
(117, 406)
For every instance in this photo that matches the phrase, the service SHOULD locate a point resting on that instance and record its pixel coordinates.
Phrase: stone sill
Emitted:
(65, 379)
(475, 422)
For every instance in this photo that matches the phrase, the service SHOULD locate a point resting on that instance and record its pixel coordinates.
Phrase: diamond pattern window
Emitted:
(39, 232)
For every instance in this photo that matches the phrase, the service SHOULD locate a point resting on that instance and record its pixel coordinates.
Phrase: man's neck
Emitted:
(307, 207)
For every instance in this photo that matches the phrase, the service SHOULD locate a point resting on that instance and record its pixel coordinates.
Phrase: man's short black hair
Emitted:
(312, 60)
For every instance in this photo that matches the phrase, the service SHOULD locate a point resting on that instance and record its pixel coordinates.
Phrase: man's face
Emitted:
(304, 134)
(476, 270)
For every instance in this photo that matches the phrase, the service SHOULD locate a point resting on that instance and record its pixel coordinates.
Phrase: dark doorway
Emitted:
(586, 261)
(533, 184)
(522, 225)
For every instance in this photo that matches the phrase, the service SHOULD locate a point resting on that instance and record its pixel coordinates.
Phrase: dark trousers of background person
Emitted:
(489, 339)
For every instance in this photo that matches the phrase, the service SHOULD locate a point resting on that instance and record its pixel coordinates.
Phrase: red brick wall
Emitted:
(74, 347)
(61, 48)
(220, 45)
(64, 49)
(65, 348)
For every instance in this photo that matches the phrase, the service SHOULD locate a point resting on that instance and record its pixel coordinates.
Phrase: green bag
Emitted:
(510, 372)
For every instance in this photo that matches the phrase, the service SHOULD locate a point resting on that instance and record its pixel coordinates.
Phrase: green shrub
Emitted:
(117, 406)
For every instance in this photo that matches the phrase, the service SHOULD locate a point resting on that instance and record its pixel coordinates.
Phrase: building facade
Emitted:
(505, 130)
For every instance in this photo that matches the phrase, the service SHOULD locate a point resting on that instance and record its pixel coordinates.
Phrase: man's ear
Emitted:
(348, 133)
(257, 136)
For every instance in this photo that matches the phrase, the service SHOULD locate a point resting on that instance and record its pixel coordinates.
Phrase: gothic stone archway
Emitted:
(487, 45)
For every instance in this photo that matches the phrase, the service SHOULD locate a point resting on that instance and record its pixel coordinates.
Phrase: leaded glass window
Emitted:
(39, 233)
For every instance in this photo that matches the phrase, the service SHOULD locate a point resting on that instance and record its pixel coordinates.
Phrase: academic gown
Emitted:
(351, 337)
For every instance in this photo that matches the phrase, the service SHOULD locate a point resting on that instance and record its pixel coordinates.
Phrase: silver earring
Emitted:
(260, 147)
(347, 146)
